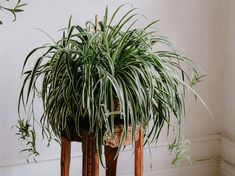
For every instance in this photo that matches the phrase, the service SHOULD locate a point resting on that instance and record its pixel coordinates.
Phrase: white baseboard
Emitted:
(203, 150)
(211, 155)
(202, 168)
(226, 169)
(227, 163)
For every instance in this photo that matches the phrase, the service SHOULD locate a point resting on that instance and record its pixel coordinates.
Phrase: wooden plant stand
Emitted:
(90, 161)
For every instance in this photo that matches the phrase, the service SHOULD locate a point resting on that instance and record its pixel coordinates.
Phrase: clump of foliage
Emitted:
(79, 77)
(18, 7)
(27, 133)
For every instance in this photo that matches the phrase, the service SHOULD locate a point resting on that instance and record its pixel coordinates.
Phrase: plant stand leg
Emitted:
(139, 154)
(111, 161)
(65, 156)
(90, 163)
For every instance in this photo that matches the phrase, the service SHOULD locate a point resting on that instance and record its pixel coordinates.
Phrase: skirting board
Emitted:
(226, 169)
(227, 163)
(202, 168)
(205, 152)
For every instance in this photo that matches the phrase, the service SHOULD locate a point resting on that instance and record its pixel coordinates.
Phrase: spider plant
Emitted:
(80, 77)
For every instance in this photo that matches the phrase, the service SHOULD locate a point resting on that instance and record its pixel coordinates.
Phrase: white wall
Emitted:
(229, 82)
(198, 28)
(228, 120)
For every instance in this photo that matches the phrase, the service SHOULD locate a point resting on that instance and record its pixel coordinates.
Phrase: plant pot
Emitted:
(72, 135)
